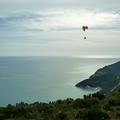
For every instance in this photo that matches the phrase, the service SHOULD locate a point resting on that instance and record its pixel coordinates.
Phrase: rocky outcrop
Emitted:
(106, 78)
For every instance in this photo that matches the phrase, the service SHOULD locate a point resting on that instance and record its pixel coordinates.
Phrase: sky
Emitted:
(54, 28)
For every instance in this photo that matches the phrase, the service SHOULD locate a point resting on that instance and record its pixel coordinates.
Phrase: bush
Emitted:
(96, 113)
(61, 116)
(81, 114)
(78, 103)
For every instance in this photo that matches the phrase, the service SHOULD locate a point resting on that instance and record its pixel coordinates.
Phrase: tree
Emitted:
(96, 113)
(61, 116)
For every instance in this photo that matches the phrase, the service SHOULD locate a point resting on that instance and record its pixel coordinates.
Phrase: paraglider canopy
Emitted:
(84, 28)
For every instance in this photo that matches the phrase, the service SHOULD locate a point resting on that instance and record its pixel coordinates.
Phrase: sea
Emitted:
(46, 78)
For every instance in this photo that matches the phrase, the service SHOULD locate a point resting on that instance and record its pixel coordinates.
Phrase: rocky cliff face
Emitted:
(107, 78)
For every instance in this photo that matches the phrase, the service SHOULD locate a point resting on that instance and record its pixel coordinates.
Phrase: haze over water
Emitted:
(44, 79)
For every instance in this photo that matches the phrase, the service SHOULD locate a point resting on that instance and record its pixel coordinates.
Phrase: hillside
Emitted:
(92, 107)
(106, 78)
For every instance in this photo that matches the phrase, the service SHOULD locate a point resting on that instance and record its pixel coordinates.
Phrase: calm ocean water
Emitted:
(44, 79)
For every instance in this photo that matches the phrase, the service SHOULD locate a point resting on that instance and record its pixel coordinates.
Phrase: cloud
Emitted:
(60, 19)
(54, 27)
(9, 6)
(53, 3)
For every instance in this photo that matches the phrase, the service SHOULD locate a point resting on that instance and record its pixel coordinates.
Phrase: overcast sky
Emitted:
(53, 28)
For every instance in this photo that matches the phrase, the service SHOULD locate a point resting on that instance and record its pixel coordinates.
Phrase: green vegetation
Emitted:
(106, 78)
(92, 107)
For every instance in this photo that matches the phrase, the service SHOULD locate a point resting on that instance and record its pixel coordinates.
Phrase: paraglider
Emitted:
(84, 28)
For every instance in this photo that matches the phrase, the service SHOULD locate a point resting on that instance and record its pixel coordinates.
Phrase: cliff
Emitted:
(106, 78)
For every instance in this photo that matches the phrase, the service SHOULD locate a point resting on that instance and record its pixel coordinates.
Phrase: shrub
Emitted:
(61, 116)
(96, 113)
(81, 114)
